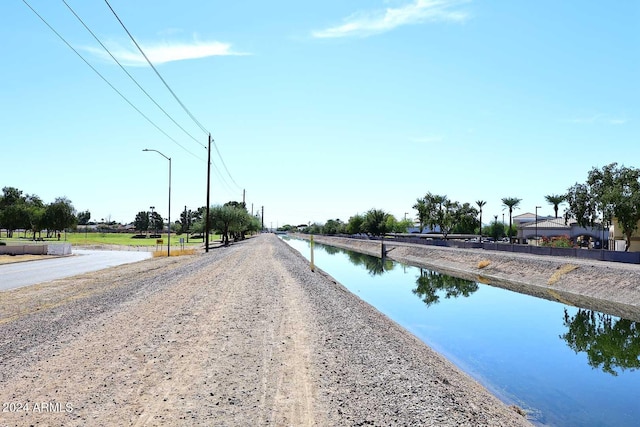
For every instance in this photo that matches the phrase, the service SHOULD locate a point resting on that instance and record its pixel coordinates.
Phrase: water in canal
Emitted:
(565, 365)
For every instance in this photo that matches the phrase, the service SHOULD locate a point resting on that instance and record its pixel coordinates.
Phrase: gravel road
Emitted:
(244, 335)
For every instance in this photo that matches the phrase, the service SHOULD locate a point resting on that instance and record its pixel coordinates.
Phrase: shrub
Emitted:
(557, 242)
(484, 263)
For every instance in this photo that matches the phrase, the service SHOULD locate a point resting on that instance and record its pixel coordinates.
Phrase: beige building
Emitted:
(530, 231)
(618, 240)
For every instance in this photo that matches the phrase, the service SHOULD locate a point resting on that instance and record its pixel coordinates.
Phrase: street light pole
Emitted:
(154, 223)
(169, 216)
(537, 239)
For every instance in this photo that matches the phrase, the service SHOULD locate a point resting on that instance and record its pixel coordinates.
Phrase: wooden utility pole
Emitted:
(186, 222)
(206, 231)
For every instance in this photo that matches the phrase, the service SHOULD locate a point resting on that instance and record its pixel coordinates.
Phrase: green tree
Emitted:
(59, 215)
(13, 210)
(244, 222)
(230, 220)
(375, 222)
(435, 203)
(582, 205)
(431, 211)
(14, 217)
(511, 203)
(495, 230)
(480, 204)
(141, 222)
(446, 215)
(354, 225)
(156, 223)
(392, 224)
(83, 217)
(314, 228)
(36, 213)
(402, 226)
(254, 224)
(556, 200)
(11, 196)
(423, 212)
(186, 220)
(197, 227)
(617, 192)
(332, 226)
(465, 219)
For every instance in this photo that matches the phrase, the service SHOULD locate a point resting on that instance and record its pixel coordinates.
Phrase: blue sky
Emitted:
(320, 110)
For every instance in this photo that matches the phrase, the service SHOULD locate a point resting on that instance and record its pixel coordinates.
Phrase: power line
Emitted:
(156, 71)
(170, 90)
(105, 80)
(130, 76)
(224, 164)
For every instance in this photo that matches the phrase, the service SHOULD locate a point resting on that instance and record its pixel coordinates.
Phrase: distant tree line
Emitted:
(610, 192)
(231, 220)
(21, 211)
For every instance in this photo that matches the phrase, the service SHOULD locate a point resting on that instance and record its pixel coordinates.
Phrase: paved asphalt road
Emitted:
(83, 261)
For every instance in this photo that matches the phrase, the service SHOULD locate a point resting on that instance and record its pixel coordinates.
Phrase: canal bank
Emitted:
(608, 287)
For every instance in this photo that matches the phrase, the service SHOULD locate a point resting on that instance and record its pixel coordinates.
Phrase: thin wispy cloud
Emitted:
(366, 24)
(163, 52)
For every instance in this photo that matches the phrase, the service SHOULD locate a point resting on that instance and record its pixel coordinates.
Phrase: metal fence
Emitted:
(594, 254)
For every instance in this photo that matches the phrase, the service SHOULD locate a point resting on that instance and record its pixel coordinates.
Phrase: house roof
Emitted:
(526, 215)
(554, 223)
(530, 218)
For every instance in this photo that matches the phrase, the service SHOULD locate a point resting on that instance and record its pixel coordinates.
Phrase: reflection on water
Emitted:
(610, 343)
(430, 283)
(566, 366)
(375, 266)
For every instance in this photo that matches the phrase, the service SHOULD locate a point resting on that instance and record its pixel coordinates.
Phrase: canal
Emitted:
(566, 366)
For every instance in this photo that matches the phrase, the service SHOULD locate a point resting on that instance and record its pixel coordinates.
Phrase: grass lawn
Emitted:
(122, 239)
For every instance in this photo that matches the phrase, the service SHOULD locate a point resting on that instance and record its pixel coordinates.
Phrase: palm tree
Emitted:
(555, 200)
(375, 222)
(480, 204)
(511, 203)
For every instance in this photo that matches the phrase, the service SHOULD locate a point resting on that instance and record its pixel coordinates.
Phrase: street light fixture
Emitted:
(169, 217)
(537, 238)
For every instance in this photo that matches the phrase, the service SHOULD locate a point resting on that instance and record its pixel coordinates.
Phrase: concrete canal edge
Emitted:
(608, 287)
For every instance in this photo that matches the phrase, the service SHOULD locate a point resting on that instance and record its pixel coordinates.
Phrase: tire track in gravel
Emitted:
(295, 380)
(258, 367)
